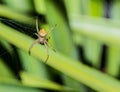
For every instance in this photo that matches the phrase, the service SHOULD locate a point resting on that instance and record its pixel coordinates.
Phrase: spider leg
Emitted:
(36, 41)
(37, 25)
(37, 35)
(50, 46)
(51, 29)
(46, 51)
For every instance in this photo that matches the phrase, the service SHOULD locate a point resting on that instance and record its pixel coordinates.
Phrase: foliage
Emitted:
(79, 29)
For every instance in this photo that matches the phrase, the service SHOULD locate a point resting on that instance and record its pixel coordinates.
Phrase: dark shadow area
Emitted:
(103, 58)
(82, 56)
(11, 60)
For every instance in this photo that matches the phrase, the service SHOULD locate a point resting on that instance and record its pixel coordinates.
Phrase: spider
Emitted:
(42, 39)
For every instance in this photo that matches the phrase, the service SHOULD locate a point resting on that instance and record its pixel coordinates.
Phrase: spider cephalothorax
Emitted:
(42, 39)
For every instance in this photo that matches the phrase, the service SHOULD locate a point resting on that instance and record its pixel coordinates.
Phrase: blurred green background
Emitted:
(86, 39)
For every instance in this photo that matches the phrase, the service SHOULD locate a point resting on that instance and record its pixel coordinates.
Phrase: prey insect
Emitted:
(42, 39)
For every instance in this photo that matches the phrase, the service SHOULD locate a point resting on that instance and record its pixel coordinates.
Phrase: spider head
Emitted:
(42, 32)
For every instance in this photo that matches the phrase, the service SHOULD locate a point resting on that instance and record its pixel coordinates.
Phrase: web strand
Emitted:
(15, 25)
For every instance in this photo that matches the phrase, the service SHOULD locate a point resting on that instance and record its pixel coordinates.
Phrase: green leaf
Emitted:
(34, 81)
(68, 66)
(16, 88)
(9, 13)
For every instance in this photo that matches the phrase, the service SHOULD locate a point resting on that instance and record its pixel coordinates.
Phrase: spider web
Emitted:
(24, 28)
(11, 55)
(27, 29)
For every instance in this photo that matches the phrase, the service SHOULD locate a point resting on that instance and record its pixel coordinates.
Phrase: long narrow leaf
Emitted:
(75, 70)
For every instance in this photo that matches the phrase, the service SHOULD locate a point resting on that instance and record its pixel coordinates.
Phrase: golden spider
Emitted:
(42, 39)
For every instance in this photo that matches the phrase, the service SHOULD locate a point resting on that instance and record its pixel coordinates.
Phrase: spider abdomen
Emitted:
(42, 41)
